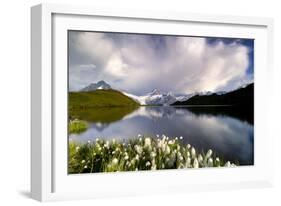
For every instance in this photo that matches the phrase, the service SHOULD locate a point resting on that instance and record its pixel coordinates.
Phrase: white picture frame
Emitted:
(49, 179)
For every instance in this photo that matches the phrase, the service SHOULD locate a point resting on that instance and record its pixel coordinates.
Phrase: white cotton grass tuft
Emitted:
(138, 149)
(147, 164)
(170, 142)
(200, 158)
(188, 162)
(153, 167)
(209, 153)
(195, 163)
(147, 142)
(115, 161)
(167, 150)
(143, 153)
(188, 154)
(126, 157)
(106, 145)
(217, 162)
(153, 154)
(227, 164)
(210, 162)
(193, 152)
(181, 158)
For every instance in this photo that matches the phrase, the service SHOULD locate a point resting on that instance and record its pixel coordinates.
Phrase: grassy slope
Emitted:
(100, 106)
(99, 98)
(77, 126)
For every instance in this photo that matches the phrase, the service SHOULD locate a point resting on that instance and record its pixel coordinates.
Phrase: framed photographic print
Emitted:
(154, 102)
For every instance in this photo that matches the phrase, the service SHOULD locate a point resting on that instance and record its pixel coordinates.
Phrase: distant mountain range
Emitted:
(241, 96)
(244, 96)
(155, 97)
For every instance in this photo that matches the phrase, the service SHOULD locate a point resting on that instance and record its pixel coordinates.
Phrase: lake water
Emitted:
(228, 131)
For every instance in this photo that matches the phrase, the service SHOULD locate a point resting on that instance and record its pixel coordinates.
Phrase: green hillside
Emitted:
(99, 98)
(100, 106)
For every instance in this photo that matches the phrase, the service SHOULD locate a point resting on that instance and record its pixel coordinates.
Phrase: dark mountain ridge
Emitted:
(240, 97)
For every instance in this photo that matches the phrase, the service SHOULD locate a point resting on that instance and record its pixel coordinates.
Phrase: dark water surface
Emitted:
(228, 131)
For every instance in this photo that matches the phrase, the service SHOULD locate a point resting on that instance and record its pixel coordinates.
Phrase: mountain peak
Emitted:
(95, 86)
(155, 92)
(101, 82)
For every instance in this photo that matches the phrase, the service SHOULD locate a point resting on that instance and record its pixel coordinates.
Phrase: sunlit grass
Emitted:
(142, 153)
(77, 126)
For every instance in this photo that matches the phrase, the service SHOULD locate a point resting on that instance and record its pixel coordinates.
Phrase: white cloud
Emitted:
(139, 63)
(116, 67)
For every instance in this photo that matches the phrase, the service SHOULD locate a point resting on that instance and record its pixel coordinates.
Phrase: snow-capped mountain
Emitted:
(140, 99)
(155, 97)
(95, 86)
(221, 92)
(206, 93)
(203, 93)
(184, 97)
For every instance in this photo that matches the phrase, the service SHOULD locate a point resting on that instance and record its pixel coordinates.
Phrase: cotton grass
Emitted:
(141, 153)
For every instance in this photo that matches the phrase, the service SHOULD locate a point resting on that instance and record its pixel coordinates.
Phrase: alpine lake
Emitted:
(227, 130)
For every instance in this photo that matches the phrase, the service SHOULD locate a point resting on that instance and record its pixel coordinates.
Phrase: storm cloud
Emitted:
(138, 63)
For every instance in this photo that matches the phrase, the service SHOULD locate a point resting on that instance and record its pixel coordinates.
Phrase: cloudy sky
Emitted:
(140, 63)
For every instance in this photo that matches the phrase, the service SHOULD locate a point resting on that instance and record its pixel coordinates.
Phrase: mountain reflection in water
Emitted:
(228, 131)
